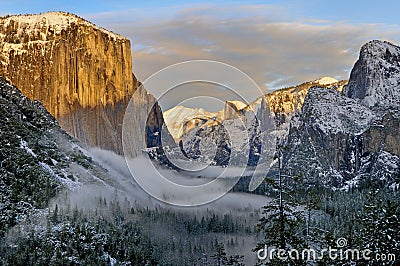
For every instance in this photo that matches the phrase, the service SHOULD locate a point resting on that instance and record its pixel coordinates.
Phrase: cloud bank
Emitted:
(262, 40)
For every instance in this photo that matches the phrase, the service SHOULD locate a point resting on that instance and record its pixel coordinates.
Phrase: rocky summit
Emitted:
(80, 72)
(375, 78)
(351, 138)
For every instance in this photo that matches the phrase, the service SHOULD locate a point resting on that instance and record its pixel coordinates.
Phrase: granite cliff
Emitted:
(277, 107)
(80, 72)
(351, 138)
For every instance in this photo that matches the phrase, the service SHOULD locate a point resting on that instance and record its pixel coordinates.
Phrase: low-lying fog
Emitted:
(118, 184)
(123, 180)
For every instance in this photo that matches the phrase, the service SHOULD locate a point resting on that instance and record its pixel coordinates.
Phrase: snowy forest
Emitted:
(328, 193)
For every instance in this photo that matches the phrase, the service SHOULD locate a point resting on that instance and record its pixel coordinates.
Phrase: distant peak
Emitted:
(181, 108)
(326, 80)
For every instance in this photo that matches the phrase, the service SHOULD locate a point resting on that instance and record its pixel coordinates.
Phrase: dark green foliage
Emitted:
(220, 258)
(380, 226)
(24, 185)
(32, 153)
(282, 222)
(83, 243)
(125, 236)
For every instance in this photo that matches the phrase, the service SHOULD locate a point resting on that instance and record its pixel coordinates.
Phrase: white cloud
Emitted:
(263, 41)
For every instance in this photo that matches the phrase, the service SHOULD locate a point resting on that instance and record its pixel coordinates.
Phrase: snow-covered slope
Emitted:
(285, 102)
(375, 78)
(180, 119)
(352, 139)
(53, 22)
(267, 115)
(37, 158)
(329, 111)
(39, 29)
(282, 103)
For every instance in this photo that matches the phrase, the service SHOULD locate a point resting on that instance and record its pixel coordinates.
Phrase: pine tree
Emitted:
(219, 257)
(282, 221)
(236, 260)
(380, 227)
(54, 218)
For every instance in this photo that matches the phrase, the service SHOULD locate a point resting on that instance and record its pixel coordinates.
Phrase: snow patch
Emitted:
(71, 185)
(331, 112)
(24, 145)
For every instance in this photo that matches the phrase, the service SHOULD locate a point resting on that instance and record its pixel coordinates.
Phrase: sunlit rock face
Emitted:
(284, 103)
(280, 105)
(181, 119)
(80, 72)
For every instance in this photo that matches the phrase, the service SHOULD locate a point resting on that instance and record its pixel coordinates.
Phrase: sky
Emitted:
(277, 43)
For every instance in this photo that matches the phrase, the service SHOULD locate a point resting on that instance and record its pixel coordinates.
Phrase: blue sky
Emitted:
(277, 43)
(355, 11)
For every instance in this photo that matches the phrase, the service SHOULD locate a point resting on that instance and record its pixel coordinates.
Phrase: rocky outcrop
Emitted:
(375, 78)
(286, 102)
(266, 116)
(232, 110)
(81, 73)
(351, 139)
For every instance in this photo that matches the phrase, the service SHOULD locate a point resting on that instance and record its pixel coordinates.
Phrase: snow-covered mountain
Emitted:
(286, 102)
(352, 138)
(180, 119)
(375, 78)
(231, 110)
(283, 103)
(326, 80)
(255, 120)
(336, 135)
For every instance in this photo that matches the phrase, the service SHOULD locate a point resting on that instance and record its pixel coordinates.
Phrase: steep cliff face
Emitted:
(351, 139)
(286, 102)
(256, 118)
(232, 110)
(375, 78)
(81, 73)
